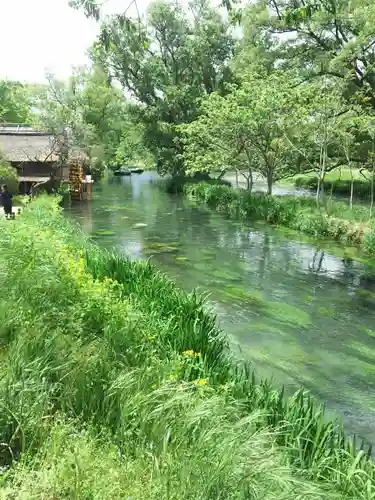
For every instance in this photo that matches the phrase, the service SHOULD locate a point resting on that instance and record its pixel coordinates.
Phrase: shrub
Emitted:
(8, 176)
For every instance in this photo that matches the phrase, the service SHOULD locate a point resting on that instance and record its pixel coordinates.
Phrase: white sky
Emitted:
(47, 35)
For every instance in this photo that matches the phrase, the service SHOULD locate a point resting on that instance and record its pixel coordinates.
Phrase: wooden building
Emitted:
(37, 157)
(33, 153)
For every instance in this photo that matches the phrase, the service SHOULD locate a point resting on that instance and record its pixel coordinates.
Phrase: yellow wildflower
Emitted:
(201, 381)
(191, 354)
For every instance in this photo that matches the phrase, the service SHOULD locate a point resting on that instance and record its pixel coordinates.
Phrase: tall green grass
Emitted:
(116, 384)
(335, 220)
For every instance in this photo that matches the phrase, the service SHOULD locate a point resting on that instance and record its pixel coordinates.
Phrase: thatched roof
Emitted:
(24, 144)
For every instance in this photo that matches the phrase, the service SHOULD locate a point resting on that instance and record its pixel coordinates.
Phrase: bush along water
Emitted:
(341, 187)
(116, 384)
(335, 220)
(176, 184)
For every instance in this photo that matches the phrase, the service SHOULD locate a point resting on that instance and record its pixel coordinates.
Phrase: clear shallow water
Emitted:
(304, 314)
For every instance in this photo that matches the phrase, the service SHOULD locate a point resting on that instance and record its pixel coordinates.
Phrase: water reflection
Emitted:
(300, 312)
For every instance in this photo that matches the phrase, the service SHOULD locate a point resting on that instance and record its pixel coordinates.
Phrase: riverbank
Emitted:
(339, 182)
(115, 383)
(336, 221)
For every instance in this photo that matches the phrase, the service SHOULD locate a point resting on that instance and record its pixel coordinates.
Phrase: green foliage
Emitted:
(14, 103)
(167, 61)
(90, 7)
(330, 50)
(280, 105)
(177, 184)
(335, 39)
(115, 383)
(309, 97)
(131, 149)
(299, 213)
(249, 126)
(94, 112)
(8, 175)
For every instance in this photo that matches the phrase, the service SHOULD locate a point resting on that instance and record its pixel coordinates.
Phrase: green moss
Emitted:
(288, 313)
(104, 232)
(158, 247)
(237, 293)
(226, 274)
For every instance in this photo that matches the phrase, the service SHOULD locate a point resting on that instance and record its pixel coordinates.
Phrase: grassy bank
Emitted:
(116, 384)
(337, 182)
(335, 221)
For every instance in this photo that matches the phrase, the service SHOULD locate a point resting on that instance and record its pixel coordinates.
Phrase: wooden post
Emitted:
(88, 191)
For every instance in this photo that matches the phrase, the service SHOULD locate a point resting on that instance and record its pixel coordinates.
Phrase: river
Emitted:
(302, 311)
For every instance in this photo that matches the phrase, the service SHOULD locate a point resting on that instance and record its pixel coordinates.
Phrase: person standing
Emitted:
(6, 200)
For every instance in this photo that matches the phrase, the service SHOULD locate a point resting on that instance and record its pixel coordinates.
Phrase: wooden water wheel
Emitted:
(75, 179)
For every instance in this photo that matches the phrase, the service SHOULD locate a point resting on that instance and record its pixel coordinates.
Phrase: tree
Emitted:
(328, 134)
(318, 40)
(90, 7)
(90, 109)
(254, 125)
(325, 37)
(14, 103)
(257, 49)
(325, 110)
(167, 62)
(219, 139)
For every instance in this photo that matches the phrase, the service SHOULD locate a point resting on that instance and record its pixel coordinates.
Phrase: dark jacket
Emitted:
(6, 198)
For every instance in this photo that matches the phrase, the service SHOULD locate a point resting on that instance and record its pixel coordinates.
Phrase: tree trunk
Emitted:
(318, 190)
(323, 148)
(249, 180)
(351, 186)
(269, 182)
(319, 176)
(372, 188)
(249, 183)
(320, 186)
(372, 177)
